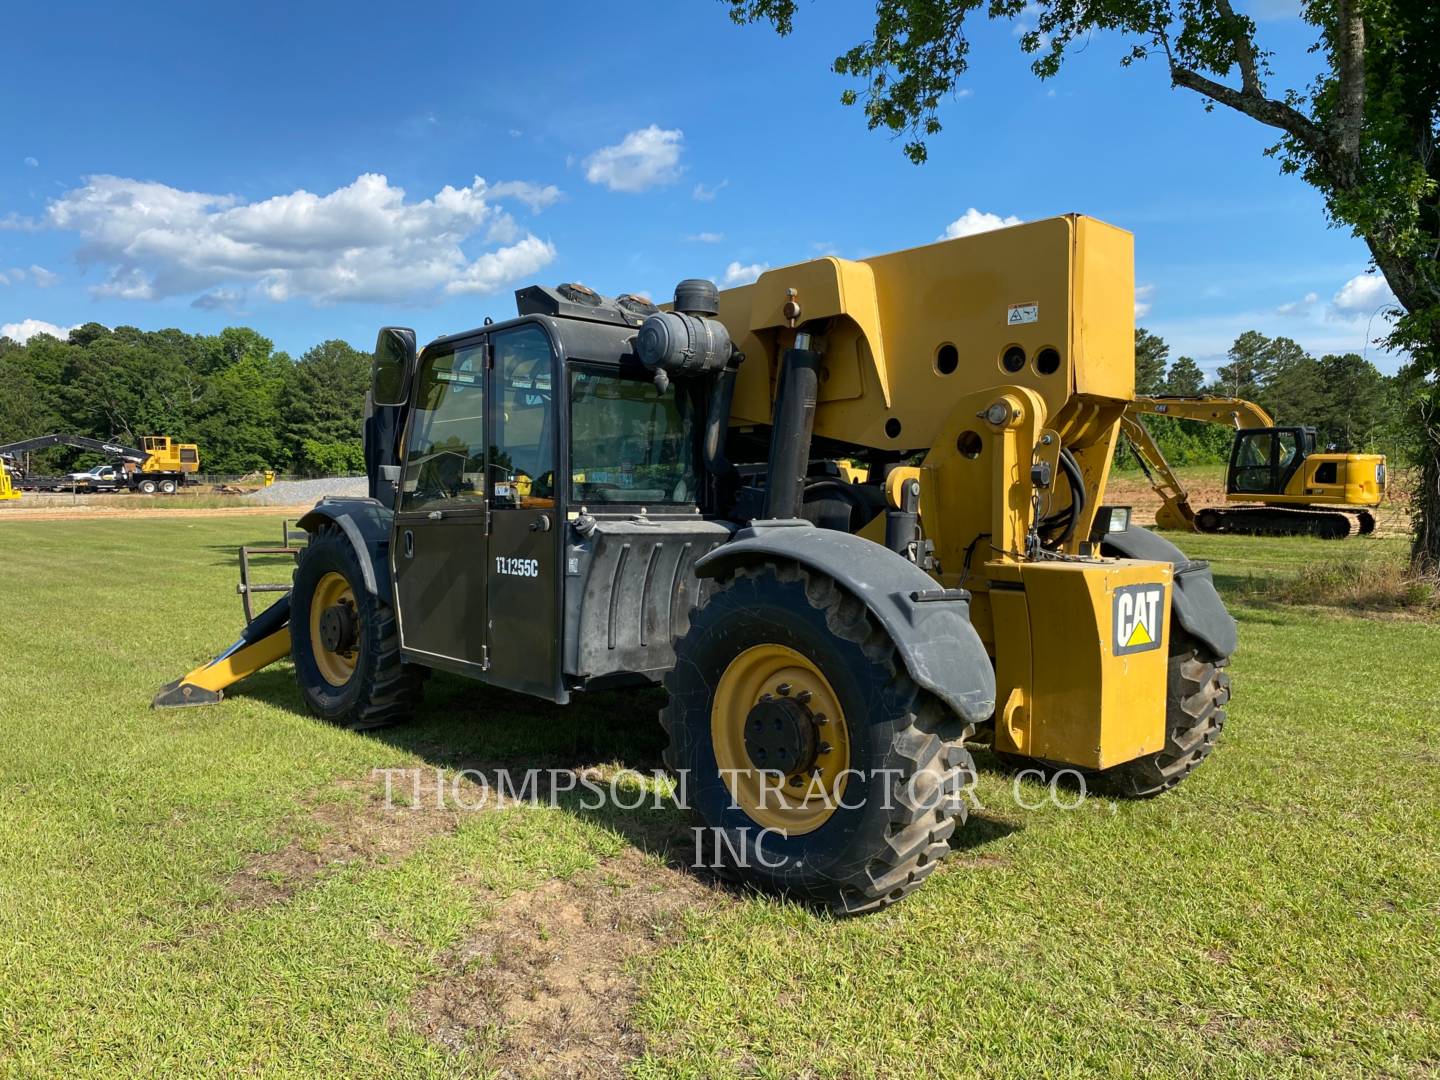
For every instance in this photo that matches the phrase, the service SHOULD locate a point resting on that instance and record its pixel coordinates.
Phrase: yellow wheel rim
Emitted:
(799, 801)
(336, 668)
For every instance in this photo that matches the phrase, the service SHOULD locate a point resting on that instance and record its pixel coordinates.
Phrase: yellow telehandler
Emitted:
(598, 494)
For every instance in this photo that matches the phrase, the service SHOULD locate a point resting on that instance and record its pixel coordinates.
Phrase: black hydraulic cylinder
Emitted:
(902, 526)
(793, 424)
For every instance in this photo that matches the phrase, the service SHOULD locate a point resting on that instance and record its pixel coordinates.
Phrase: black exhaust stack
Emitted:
(792, 426)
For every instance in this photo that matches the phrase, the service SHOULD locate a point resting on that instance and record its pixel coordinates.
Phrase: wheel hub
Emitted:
(337, 628)
(780, 736)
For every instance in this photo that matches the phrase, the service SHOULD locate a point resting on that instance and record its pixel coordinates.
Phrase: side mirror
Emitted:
(394, 362)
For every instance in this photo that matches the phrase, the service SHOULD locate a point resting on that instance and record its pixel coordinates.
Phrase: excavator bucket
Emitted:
(265, 640)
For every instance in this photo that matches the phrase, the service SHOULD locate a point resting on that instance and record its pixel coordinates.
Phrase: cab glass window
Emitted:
(628, 444)
(1252, 472)
(522, 455)
(445, 453)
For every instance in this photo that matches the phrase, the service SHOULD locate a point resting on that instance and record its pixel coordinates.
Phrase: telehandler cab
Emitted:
(851, 515)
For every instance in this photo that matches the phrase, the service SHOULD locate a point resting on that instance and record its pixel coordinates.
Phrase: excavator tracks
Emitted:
(1279, 521)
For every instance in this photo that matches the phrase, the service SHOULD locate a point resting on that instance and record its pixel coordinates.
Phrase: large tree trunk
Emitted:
(1426, 550)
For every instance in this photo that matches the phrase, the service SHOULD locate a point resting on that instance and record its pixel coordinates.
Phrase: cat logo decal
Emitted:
(1139, 618)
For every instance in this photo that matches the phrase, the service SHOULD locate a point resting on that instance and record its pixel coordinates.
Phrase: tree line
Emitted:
(247, 405)
(1350, 403)
(251, 407)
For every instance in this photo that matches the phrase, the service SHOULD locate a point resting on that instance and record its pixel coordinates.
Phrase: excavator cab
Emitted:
(1263, 460)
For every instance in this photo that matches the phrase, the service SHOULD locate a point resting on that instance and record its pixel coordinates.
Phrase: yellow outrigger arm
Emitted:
(264, 641)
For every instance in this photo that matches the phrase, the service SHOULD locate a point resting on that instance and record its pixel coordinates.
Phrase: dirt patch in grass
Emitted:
(547, 986)
(349, 823)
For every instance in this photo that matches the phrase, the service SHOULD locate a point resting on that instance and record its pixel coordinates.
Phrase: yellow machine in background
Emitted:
(165, 455)
(1276, 467)
(159, 464)
(7, 489)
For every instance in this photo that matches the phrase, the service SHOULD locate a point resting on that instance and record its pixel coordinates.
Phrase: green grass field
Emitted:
(217, 891)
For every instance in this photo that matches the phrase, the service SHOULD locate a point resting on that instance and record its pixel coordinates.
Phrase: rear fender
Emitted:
(1198, 607)
(930, 626)
(366, 523)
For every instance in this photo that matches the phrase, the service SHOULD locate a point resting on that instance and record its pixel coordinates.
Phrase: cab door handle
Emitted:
(541, 523)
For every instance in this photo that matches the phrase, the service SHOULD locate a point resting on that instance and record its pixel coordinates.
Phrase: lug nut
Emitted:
(821, 718)
(825, 748)
(803, 697)
(796, 781)
(783, 689)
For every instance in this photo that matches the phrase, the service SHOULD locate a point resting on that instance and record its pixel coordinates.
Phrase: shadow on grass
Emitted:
(608, 736)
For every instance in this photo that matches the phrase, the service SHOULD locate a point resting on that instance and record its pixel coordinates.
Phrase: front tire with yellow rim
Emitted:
(345, 642)
(816, 765)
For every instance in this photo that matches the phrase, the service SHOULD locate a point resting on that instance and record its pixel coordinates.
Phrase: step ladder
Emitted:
(292, 542)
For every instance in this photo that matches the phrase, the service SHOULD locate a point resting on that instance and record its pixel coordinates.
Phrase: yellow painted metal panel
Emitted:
(1061, 290)
(1103, 343)
(1098, 644)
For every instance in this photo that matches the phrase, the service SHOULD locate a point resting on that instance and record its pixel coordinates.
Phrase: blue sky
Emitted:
(311, 170)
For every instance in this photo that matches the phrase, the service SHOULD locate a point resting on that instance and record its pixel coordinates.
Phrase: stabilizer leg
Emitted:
(264, 641)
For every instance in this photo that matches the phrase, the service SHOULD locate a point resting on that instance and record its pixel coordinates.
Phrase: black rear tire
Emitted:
(890, 828)
(382, 690)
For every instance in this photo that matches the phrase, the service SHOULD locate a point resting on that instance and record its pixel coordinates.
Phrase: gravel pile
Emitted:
(298, 492)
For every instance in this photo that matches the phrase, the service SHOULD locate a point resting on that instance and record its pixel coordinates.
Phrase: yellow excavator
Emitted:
(1276, 480)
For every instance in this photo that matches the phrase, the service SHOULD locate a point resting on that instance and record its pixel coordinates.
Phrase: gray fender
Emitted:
(930, 626)
(1198, 607)
(366, 523)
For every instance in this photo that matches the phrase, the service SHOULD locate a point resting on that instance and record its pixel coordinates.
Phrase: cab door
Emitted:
(525, 526)
(438, 553)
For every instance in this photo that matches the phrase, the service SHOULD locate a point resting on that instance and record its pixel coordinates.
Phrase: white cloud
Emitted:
(643, 159)
(1144, 300)
(741, 274)
(493, 269)
(23, 331)
(701, 193)
(1362, 294)
(363, 241)
(43, 278)
(535, 196)
(975, 221)
(965, 92)
(32, 163)
(705, 237)
(1298, 307)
